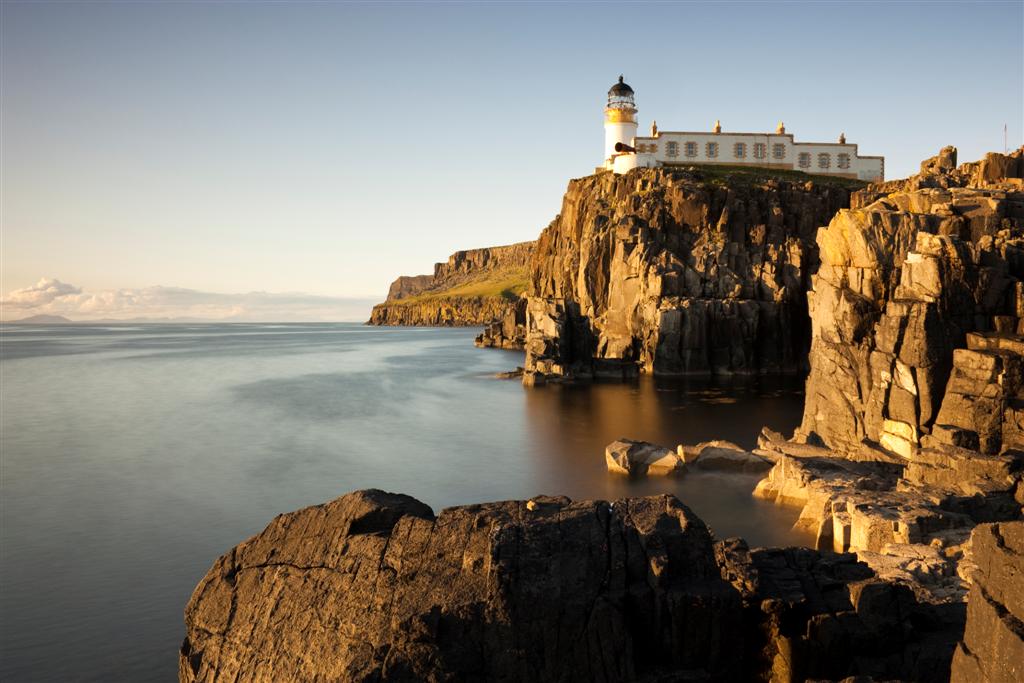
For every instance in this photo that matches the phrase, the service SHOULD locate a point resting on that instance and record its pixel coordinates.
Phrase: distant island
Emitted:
(41, 319)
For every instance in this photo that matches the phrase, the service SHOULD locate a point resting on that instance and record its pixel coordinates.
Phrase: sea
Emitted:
(132, 456)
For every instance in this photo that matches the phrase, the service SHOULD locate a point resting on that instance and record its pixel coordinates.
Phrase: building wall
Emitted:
(864, 168)
(623, 131)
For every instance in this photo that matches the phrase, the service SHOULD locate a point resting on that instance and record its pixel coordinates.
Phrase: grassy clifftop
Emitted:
(506, 284)
(473, 287)
(727, 174)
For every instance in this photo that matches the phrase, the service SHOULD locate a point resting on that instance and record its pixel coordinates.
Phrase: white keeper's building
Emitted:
(625, 150)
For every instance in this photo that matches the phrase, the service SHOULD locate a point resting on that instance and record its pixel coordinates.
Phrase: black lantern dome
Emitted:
(620, 89)
(620, 96)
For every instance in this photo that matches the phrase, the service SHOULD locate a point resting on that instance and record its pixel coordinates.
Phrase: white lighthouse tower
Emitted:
(619, 119)
(621, 154)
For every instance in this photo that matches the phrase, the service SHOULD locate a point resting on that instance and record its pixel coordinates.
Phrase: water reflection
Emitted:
(134, 455)
(570, 425)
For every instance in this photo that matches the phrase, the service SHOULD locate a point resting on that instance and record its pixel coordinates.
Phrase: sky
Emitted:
(272, 160)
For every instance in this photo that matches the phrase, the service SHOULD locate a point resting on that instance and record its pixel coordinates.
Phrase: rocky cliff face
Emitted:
(916, 314)
(463, 266)
(911, 443)
(677, 271)
(373, 586)
(409, 285)
(442, 311)
(473, 287)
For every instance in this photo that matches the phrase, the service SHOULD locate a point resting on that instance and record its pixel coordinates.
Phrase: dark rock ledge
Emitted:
(373, 587)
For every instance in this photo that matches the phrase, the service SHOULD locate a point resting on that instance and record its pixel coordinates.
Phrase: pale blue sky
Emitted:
(327, 148)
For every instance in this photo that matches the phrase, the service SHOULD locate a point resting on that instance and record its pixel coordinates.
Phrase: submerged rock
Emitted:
(723, 456)
(629, 457)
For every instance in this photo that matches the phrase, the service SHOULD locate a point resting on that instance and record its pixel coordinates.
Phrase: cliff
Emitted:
(908, 466)
(374, 586)
(473, 287)
(678, 272)
(917, 312)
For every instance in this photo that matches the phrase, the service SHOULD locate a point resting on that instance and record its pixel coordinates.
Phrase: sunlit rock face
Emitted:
(677, 272)
(373, 587)
(916, 312)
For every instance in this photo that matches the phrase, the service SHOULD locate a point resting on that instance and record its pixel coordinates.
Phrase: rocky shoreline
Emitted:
(907, 468)
(374, 586)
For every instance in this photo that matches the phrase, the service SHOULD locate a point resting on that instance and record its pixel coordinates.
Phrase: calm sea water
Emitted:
(133, 456)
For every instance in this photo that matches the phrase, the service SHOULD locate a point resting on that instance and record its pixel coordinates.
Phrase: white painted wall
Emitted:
(617, 132)
(865, 168)
(623, 163)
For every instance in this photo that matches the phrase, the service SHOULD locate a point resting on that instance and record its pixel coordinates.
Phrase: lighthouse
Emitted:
(624, 150)
(619, 118)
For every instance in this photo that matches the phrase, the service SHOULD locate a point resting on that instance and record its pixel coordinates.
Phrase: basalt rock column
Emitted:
(677, 272)
(916, 315)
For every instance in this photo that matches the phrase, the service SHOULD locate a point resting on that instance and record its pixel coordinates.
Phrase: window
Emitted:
(824, 160)
(760, 150)
(843, 160)
(712, 150)
(778, 151)
(739, 150)
(804, 159)
(691, 149)
(671, 149)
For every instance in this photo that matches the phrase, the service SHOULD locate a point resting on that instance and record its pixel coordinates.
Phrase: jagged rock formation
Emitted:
(508, 331)
(630, 457)
(677, 271)
(909, 532)
(373, 586)
(992, 649)
(822, 616)
(916, 314)
(442, 311)
(474, 287)
(410, 285)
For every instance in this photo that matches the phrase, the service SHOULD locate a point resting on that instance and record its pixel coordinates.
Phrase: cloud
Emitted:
(41, 293)
(53, 297)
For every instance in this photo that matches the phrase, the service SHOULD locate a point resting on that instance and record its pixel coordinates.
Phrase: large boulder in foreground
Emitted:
(372, 586)
(993, 646)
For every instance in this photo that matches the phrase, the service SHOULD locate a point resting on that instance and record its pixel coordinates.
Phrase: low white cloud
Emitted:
(41, 293)
(52, 297)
